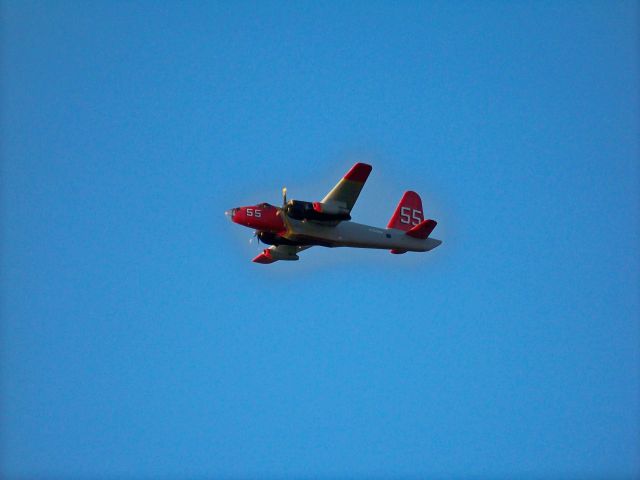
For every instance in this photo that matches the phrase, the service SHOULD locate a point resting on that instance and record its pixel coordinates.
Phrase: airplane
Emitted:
(298, 225)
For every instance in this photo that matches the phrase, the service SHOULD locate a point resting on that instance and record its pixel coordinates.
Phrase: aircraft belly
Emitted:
(350, 234)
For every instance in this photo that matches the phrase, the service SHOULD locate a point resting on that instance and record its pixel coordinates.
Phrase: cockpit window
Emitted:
(264, 205)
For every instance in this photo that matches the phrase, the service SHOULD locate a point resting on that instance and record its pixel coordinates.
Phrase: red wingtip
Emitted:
(359, 172)
(264, 257)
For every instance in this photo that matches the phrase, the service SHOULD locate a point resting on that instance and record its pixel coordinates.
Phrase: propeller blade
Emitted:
(283, 210)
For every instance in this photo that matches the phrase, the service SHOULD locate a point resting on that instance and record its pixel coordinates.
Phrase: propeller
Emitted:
(255, 236)
(283, 210)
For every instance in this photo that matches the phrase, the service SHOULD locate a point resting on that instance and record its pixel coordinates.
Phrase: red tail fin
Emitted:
(408, 213)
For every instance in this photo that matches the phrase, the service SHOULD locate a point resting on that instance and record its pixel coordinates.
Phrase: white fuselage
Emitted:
(351, 234)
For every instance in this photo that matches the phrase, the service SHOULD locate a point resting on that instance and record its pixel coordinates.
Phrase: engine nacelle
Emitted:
(274, 239)
(326, 212)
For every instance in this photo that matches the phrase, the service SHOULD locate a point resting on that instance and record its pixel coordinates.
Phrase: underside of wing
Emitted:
(347, 190)
(280, 252)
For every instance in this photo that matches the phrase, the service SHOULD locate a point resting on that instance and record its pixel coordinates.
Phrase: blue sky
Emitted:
(137, 338)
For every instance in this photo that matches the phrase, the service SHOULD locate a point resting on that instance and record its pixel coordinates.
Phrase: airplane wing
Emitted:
(346, 191)
(281, 252)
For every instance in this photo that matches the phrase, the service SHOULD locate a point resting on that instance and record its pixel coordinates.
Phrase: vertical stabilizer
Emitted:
(408, 213)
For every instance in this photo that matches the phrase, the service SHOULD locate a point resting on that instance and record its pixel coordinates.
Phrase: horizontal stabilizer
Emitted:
(423, 229)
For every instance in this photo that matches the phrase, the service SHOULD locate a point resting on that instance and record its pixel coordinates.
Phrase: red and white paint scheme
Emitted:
(298, 225)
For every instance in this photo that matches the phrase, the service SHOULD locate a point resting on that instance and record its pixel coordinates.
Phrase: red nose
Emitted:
(230, 213)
